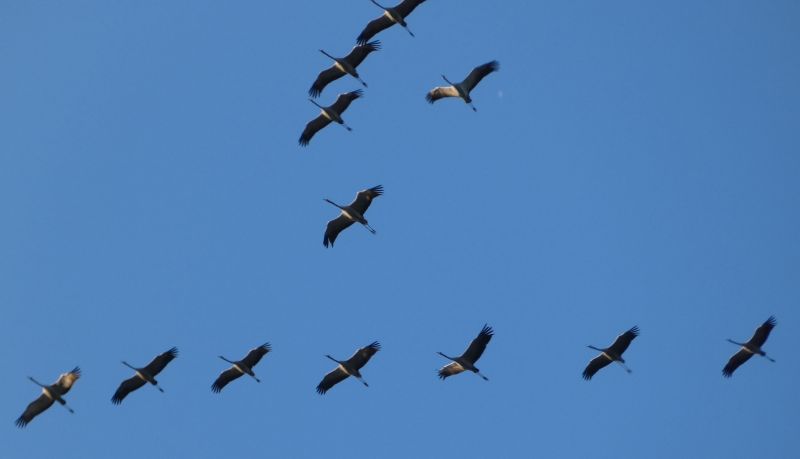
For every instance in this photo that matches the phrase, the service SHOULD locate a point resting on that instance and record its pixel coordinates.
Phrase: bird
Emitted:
(241, 367)
(328, 114)
(144, 375)
(349, 367)
(466, 361)
(343, 66)
(610, 354)
(50, 394)
(350, 214)
(463, 88)
(390, 17)
(751, 347)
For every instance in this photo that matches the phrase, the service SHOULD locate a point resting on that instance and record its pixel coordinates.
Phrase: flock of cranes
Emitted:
(354, 213)
(348, 65)
(352, 367)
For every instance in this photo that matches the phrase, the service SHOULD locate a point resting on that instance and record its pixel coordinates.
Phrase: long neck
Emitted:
(448, 81)
(323, 52)
(379, 5)
(445, 356)
(734, 342)
(223, 358)
(596, 348)
(337, 361)
(337, 205)
(36, 382)
(130, 366)
(315, 103)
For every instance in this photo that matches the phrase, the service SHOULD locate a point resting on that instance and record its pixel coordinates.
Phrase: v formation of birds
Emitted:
(354, 213)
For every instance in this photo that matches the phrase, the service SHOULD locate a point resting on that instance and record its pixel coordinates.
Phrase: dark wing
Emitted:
(331, 379)
(159, 363)
(312, 127)
(440, 92)
(360, 52)
(450, 369)
(326, 76)
(224, 378)
(343, 101)
(335, 226)
(477, 346)
(735, 361)
(477, 74)
(407, 6)
(362, 356)
(762, 332)
(127, 386)
(254, 356)
(624, 340)
(594, 366)
(373, 28)
(364, 198)
(34, 409)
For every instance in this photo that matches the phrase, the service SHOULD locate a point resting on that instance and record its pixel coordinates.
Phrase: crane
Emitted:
(343, 66)
(753, 346)
(349, 367)
(351, 214)
(50, 394)
(241, 367)
(466, 361)
(144, 375)
(328, 114)
(390, 17)
(610, 354)
(463, 88)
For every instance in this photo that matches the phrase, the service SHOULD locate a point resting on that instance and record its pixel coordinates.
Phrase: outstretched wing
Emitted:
(311, 128)
(323, 79)
(762, 332)
(160, 362)
(224, 378)
(254, 356)
(450, 369)
(407, 6)
(66, 380)
(595, 365)
(364, 198)
(331, 379)
(440, 92)
(478, 345)
(477, 74)
(125, 388)
(360, 52)
(735, 361)
(624, 340)
(344, 99)
(335, 226)
(362, 356)
(373, 28)
(34, 409)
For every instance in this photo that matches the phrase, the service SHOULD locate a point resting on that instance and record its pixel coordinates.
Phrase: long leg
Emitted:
(252, 375)
(362, 81)
(624, 366)
(346, 126)
(481, 375)
(769, 358)
(408, 30)
(362, 381)
(366, 225)
(63, 403)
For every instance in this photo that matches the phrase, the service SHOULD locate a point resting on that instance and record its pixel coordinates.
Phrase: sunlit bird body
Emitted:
(343, 66)
(50, 394)
(144, 375)
(328, 114)
(464, 88)
(390, 17)
(750, 348)
(349, 367)
(351, 214)
(241, 367)
(466, 361)
(610, 354)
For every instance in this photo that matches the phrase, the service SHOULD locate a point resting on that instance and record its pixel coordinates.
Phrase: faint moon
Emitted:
(500, 94)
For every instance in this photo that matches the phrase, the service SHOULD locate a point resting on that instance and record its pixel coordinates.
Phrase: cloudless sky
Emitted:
(632, 163)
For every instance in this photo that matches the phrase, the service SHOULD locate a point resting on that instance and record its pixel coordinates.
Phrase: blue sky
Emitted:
(632, 163)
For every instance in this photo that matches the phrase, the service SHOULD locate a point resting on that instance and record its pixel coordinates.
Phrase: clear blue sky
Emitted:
(632, 163)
